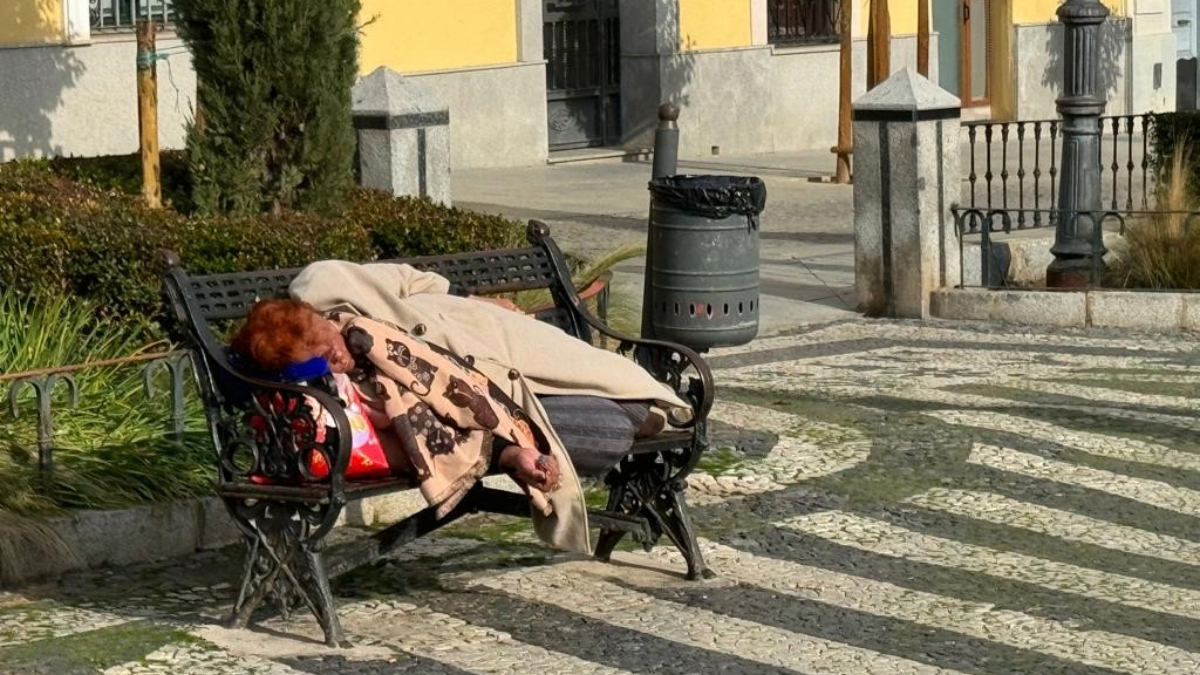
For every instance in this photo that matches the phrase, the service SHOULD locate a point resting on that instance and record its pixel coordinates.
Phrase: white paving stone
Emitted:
(891, 540)
(805, 449)
(979, 620)
(701, 628)
(1066, 525)
(1152, 492)
(1100, 445)
(41, 622)
(430, 634)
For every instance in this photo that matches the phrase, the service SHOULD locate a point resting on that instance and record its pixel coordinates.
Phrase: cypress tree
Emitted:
(273, 87)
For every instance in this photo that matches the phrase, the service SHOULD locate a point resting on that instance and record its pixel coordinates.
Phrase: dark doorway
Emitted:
(583, 72)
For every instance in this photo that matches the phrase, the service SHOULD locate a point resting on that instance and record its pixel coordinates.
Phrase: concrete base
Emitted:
(1140, 310)
(90, 539)
(1019, 259)
(83, 100)
(497, 115)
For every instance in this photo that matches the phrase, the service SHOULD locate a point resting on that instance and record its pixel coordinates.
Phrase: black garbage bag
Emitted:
(714, 197)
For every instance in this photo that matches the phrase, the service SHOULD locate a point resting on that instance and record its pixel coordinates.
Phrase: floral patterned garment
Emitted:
(445, 414)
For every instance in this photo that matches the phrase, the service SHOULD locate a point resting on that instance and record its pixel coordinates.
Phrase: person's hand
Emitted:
(499, 302)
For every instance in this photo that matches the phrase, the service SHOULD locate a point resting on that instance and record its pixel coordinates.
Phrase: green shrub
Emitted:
(1170, 132)
(61, 236)
(1160, 251)
(123, 173)
(273, 85)
(407, 226)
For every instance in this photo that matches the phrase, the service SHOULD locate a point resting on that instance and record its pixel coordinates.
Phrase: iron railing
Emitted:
(118, 15)
(1014, 167)
(991, 225)
(44, 383)
(793, 22)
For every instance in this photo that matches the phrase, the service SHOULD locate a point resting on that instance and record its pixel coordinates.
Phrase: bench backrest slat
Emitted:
(222, 297)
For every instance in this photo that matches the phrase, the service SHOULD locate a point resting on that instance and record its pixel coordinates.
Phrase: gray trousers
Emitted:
(597, 432)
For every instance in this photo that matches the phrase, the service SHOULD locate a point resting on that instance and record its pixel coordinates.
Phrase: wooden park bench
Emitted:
(261, 430)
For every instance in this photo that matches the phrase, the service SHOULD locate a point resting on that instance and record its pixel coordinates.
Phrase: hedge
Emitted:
(1172, 130)
(60, 235)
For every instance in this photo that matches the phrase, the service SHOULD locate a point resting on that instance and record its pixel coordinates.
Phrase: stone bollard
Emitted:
(906, 139)
(403, 137)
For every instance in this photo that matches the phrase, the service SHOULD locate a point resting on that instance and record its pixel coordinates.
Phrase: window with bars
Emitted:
(793, 22)
(115, 15)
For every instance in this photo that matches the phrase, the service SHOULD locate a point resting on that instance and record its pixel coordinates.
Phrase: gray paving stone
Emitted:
(892, 497)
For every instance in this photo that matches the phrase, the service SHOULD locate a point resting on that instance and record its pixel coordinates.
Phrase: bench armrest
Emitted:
(668, 362)
(286, 434)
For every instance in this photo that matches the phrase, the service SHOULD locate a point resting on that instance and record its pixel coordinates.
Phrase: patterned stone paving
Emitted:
(885, 498)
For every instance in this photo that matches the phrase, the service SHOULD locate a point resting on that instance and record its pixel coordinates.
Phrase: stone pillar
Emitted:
(906, 176)
(403, 137)
(1076, 254)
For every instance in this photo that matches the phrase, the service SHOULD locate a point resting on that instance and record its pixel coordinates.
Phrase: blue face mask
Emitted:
(306, 370)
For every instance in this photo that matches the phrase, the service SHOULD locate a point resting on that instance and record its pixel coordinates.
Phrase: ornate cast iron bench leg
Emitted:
(282, 566)
(669, 511)
(609, 539)
(641, 493)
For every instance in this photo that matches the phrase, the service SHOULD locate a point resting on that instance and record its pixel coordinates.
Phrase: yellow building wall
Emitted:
(713, 24)
(420, 35)
(31, 22)
(901, 13)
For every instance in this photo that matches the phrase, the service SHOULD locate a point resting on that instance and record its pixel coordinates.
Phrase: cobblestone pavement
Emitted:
(886, 498)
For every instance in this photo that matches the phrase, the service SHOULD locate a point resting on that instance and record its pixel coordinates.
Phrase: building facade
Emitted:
(527, 78)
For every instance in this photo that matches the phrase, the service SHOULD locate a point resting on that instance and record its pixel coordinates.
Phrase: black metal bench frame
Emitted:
(260, 427)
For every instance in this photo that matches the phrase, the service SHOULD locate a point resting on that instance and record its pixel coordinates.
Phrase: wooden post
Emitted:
(845, 136)
(923, 38)
(879, 43)
(147, 83)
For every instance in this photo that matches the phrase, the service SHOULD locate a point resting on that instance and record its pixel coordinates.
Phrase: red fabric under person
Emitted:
(367, 457)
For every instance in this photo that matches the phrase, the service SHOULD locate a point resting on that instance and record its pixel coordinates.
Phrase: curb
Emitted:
(1140, 310)
(92, 539)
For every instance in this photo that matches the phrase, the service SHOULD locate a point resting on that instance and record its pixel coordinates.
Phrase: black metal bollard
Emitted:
(666, 163)
(1081, 105)
(666, 142)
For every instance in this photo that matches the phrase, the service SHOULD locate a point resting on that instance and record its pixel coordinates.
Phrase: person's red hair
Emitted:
(277, 334)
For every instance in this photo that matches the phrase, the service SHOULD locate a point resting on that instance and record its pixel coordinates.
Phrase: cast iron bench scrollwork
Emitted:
(264, 435)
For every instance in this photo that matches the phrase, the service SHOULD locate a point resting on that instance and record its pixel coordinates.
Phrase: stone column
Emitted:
(906, 176)
(1076, 254)
(403, 137)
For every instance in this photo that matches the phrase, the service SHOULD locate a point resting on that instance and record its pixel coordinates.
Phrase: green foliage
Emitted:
(115, 448)
(1160, 251)
(61, 236)
(273, 85)
(406, 226)
(123, 173)
(64, 237)
(1171, 132)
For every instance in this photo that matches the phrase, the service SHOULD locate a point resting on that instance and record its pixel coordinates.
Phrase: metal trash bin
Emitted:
(703, 259)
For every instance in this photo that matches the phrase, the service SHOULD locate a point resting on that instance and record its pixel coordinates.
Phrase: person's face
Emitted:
(328, 343)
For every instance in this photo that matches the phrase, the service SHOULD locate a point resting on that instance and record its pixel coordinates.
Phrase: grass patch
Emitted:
(492, 528)
(721, 461)
(93, 651)
(114, 448)
(1180, 389)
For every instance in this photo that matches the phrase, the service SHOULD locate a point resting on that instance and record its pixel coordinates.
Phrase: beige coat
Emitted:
(525, 357)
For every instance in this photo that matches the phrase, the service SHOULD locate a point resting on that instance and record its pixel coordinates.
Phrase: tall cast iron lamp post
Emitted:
(1076, 253)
